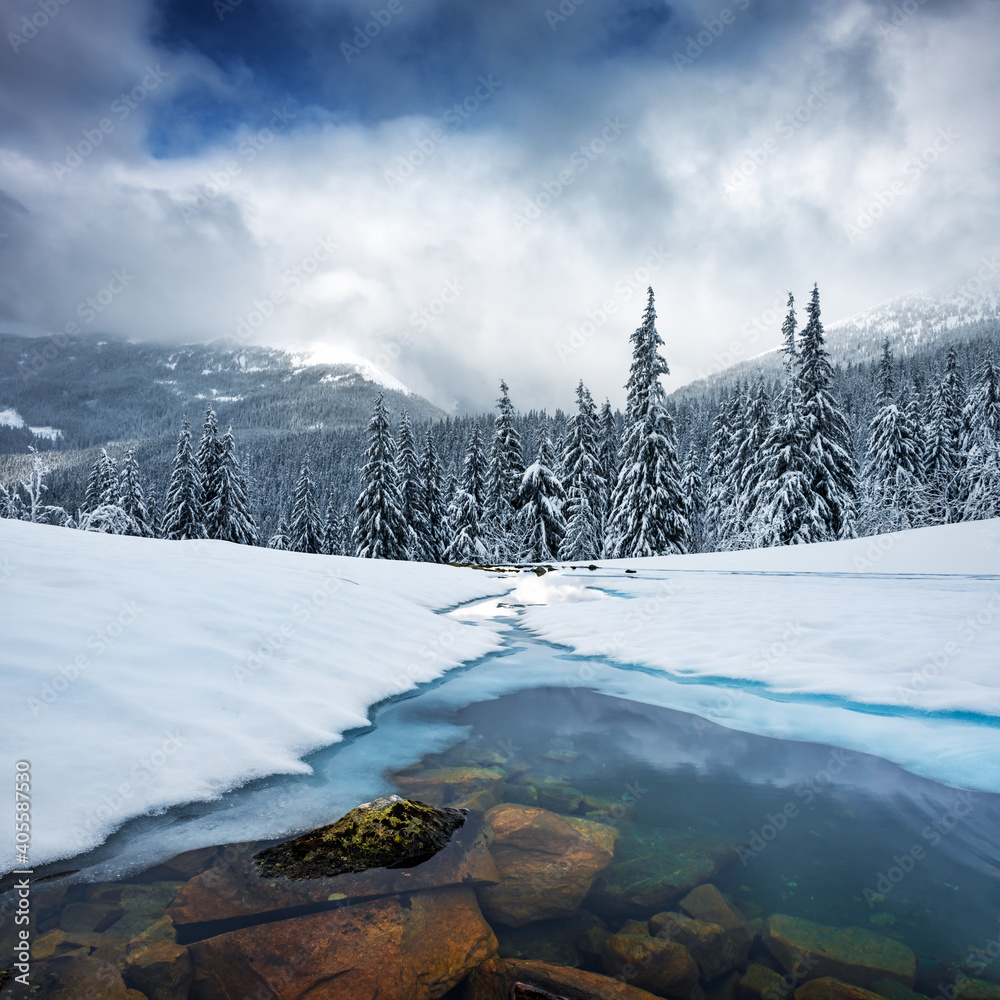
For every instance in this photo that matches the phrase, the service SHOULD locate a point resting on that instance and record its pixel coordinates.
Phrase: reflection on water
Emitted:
(832, 836)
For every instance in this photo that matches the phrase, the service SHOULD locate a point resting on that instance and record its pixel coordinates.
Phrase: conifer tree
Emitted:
(720, 503)
(380, 531)
(607, 459)
(229, 519)
(131, 498)
(943, 454)
(465, 511)
(648, 510)
(331, 530)
(891, 472)
(408, 471)
(694, 500)
(102, 484)
(279, 540)
(539, 522)
(582, 482)
(305, 533)
(432, 514)
(208, 457)
(827, 437)
(183, 515)
(750, 464)
(981, 442)
(504, 475)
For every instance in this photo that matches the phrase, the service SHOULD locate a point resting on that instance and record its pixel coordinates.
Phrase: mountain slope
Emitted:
(96, 390)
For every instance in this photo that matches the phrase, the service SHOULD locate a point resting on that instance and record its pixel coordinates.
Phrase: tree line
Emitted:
(769, 464)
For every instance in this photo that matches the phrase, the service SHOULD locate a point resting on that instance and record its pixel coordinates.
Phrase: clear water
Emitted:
(822, 834)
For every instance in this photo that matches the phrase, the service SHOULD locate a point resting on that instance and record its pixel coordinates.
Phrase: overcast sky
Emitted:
(450, 188)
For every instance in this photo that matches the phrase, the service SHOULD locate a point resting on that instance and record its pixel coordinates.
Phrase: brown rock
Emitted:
(854, 955)
(826, 988)
(546, 863)
(502, 979)
(237, 890)
(107, 947)
(161, 969)
(394, 948)
(970, 988)
(711, 945)
(77, 977)
(725, 988)
(662, 967)
(654, 868)
(557, 795)
(706, 903)
(135, 995)
(443, 786)
(87, 917)
(762, 983)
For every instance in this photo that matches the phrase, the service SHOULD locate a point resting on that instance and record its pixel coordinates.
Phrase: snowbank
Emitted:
(903, 630)
(140, 674)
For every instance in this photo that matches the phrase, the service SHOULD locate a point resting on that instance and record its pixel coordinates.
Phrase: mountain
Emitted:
(915, 324)
(86, 391)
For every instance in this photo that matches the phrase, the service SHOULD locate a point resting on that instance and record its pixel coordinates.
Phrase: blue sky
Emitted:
(490, 186)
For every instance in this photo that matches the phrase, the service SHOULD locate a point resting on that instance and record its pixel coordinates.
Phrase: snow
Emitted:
(138, 674)
(49, 433)
(328, 354)
(11, 418)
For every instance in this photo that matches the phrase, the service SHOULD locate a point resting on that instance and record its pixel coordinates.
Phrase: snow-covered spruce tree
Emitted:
(647, 516)
(305, 533)
(891, 477)
(331, 530)
(786, 511)
(183, 515)
(279, 540)
(102, 484)
(11, 504)
(131, 497)
(465, 510)
(943, 454)
(750, 464)
(35, 489)
(607, 458)
(583, 482)
(380, 531)
(207, 458)
(229, 518)
(539, 522)
(719, 501)
(408, 471)
(694, 500)
(981, 442)
(506, 466)
(827, 437)
(431, 516)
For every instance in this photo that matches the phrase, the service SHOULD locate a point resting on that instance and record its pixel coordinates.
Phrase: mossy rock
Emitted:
(391, 832)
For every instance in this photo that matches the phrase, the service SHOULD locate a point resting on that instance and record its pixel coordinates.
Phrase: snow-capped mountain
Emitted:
(914, 323)
(96, 390)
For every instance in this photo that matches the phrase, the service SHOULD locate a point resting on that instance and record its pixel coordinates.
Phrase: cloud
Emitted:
(495, 193)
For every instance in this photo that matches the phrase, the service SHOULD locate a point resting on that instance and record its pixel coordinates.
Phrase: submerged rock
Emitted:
(501, 979)
(414, 947)
(654, 868)
(970, 988)
(854, 955)
(762, 983)
(706, 903)
(77, 977)
(447, 785)
(655, 964)
(390, 832)
(237, 890)
(546, 863)
(827, 988)
(713, 949)
(158, 968)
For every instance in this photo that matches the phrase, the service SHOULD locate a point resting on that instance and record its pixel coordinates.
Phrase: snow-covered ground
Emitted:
(138, 675)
